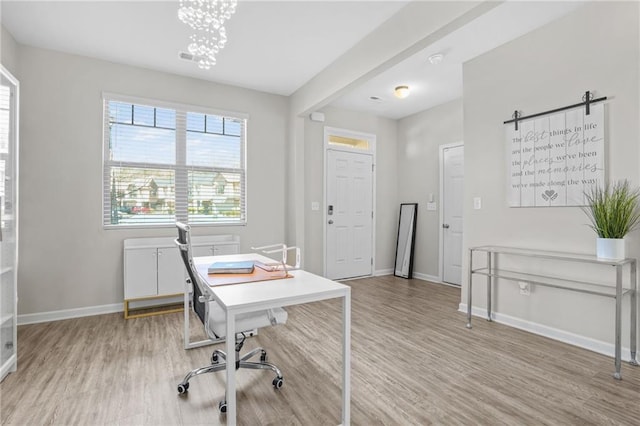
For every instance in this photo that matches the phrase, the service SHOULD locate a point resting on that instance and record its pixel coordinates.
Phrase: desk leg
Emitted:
(634, 312)
(231, 369)
(469, 279)
(617, 374)
(346, 358)
(489, 282)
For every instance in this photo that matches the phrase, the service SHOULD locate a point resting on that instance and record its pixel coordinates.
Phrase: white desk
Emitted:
(304, 287)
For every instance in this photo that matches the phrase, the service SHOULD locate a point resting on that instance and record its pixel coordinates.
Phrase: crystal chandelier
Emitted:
(207, 18)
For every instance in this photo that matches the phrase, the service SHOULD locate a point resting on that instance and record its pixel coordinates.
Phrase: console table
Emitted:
(617, 292)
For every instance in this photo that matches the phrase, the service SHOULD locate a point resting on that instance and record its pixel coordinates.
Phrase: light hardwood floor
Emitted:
(413, 363)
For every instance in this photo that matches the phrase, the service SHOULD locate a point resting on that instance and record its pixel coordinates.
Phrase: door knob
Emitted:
(445, 225)
(330, 222)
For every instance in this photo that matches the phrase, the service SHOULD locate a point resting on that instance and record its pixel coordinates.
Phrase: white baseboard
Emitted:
(427, 277)
(416, 275)
(91, 310)
(588, 343)
(69, 313)
(433, 279)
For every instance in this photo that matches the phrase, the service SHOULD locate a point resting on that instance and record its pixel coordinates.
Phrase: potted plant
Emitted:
(613, 211)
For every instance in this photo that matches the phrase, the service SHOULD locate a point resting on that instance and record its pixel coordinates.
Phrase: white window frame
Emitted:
(181, 147)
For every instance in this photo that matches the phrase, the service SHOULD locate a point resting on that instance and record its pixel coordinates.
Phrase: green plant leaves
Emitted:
(613, 210)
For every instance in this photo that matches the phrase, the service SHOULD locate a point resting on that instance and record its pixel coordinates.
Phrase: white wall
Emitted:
(386, 183)
(595, 48)
(419, 139)
(8, 51)
(295, 183)
(67, 260)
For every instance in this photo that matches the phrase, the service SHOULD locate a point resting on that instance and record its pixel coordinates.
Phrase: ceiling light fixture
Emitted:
(207, 18)
(436, 59)
(401, 92)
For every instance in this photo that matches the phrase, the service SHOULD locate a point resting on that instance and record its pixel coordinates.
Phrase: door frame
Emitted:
(441, 150)
(371, 138)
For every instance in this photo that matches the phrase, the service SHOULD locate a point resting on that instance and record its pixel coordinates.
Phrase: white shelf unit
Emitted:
(613, 289)
(9, 99)
(5, 318)
(7, 311)
(153, 268)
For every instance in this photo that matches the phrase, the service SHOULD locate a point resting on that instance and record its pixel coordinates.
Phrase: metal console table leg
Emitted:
(489, 284)
(469, 279)
(617, 375)
(634, 315)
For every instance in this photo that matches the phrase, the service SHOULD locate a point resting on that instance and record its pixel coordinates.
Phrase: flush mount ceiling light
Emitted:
(436, 59)
(401, 91)
(207, 18)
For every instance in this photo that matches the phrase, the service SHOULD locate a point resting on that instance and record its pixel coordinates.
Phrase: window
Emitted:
(167, 163)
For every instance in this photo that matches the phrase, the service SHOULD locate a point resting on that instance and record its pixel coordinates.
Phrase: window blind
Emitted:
(164, 163)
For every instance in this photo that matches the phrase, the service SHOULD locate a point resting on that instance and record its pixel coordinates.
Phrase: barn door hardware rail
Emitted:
(587, 100)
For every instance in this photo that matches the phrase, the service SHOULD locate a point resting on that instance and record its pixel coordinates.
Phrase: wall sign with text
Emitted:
(554, 159)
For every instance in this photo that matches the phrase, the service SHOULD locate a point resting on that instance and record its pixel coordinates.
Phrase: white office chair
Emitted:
(213, 318)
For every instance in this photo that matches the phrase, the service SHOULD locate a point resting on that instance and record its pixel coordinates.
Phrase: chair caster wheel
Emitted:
(278, 382)
(222, 406)
(183, 388)
(214, 358)
(263, 356)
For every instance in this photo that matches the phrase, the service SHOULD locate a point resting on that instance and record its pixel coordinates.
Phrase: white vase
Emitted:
(610, 248)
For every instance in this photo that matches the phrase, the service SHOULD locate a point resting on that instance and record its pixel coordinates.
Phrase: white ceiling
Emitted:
(433, 85)
(274, 47)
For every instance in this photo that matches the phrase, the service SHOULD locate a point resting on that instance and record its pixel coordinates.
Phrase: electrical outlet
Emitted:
(525, 288)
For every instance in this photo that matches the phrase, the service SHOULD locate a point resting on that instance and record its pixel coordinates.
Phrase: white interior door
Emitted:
(349, 214)
(453, 179)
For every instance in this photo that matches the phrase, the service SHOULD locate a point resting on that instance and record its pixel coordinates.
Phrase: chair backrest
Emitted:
(199, 288)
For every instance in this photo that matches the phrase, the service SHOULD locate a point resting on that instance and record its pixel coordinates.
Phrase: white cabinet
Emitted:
(8, 222)
(171, 271)
(152, 272)
(140, 273)
(153, 268)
